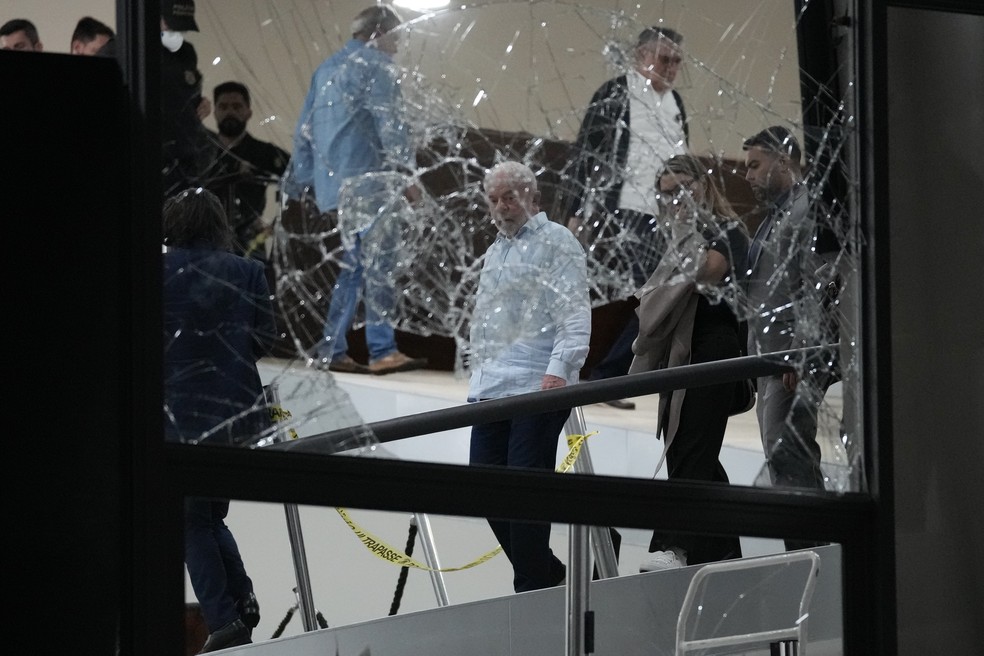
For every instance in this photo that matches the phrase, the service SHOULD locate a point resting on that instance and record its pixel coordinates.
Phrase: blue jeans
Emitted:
(215, 567)
(380, 300)
(531, 443)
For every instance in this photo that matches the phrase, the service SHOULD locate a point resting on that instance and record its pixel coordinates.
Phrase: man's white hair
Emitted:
(516, 174)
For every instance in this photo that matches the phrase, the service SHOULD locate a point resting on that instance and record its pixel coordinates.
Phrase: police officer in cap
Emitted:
(184, 140)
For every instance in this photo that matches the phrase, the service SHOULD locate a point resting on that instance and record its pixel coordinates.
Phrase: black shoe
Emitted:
(232, 634)
(621, 404)
(249, 611)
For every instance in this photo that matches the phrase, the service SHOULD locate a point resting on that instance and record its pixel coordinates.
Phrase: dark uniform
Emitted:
(183, 137)
(239, 177)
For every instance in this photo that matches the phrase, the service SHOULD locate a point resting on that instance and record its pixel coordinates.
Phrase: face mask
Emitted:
(172, 40)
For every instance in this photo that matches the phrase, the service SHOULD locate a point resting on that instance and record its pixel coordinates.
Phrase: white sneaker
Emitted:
(664, 560)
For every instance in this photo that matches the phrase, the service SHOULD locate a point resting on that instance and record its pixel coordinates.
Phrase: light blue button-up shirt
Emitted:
(532, 311)
(351, 123)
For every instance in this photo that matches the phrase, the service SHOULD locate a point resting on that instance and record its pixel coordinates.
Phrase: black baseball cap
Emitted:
(179, 15)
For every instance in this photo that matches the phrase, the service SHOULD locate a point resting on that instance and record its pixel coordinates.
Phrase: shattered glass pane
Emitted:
(487, 81)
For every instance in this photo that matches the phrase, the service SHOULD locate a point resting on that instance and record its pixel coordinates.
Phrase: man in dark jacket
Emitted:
(90, 36)
(242, 167)
(183, 138)
(633, 125)
(20, 35)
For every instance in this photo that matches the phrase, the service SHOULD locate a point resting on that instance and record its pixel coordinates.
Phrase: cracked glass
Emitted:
(740, 193)
(468, 94)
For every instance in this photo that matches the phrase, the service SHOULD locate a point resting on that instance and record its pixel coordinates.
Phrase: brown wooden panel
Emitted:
(448, 168)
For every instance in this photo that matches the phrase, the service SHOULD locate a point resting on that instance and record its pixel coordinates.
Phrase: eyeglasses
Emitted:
(677, 195)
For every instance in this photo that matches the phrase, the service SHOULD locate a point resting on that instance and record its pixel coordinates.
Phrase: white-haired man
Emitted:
(530, 331)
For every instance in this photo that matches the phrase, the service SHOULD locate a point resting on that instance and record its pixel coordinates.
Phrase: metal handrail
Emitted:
(584, 393)
(579, 631)
(601, 538)
(305, 597)
(431, 558)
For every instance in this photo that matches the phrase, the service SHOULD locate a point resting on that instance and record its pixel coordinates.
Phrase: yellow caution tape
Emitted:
(278, 414)
(395, 556)
(574, 444)
(256, 243)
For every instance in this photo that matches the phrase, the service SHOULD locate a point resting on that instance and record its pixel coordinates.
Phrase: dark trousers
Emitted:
(618, 359)
(695, 451)
(215, 567)
(788, 423)
(529, 443)
(642, 253)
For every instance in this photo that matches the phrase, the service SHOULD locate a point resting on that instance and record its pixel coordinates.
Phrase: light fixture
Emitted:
(421, 5)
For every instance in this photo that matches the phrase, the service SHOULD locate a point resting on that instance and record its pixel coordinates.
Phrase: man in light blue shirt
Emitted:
(350, 142)
(530, 331)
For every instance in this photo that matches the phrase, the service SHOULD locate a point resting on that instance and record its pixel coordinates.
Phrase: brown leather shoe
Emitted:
(347, 365)
(396, 362)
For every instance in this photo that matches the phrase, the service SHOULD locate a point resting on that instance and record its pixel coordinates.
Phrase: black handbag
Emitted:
(743, 399)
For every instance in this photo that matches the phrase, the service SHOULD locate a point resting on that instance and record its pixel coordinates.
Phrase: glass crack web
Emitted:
(487, 81)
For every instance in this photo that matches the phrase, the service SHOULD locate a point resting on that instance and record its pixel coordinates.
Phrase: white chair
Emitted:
(748, 605)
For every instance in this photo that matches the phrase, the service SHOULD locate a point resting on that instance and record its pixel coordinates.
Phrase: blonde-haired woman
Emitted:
(690, 301)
